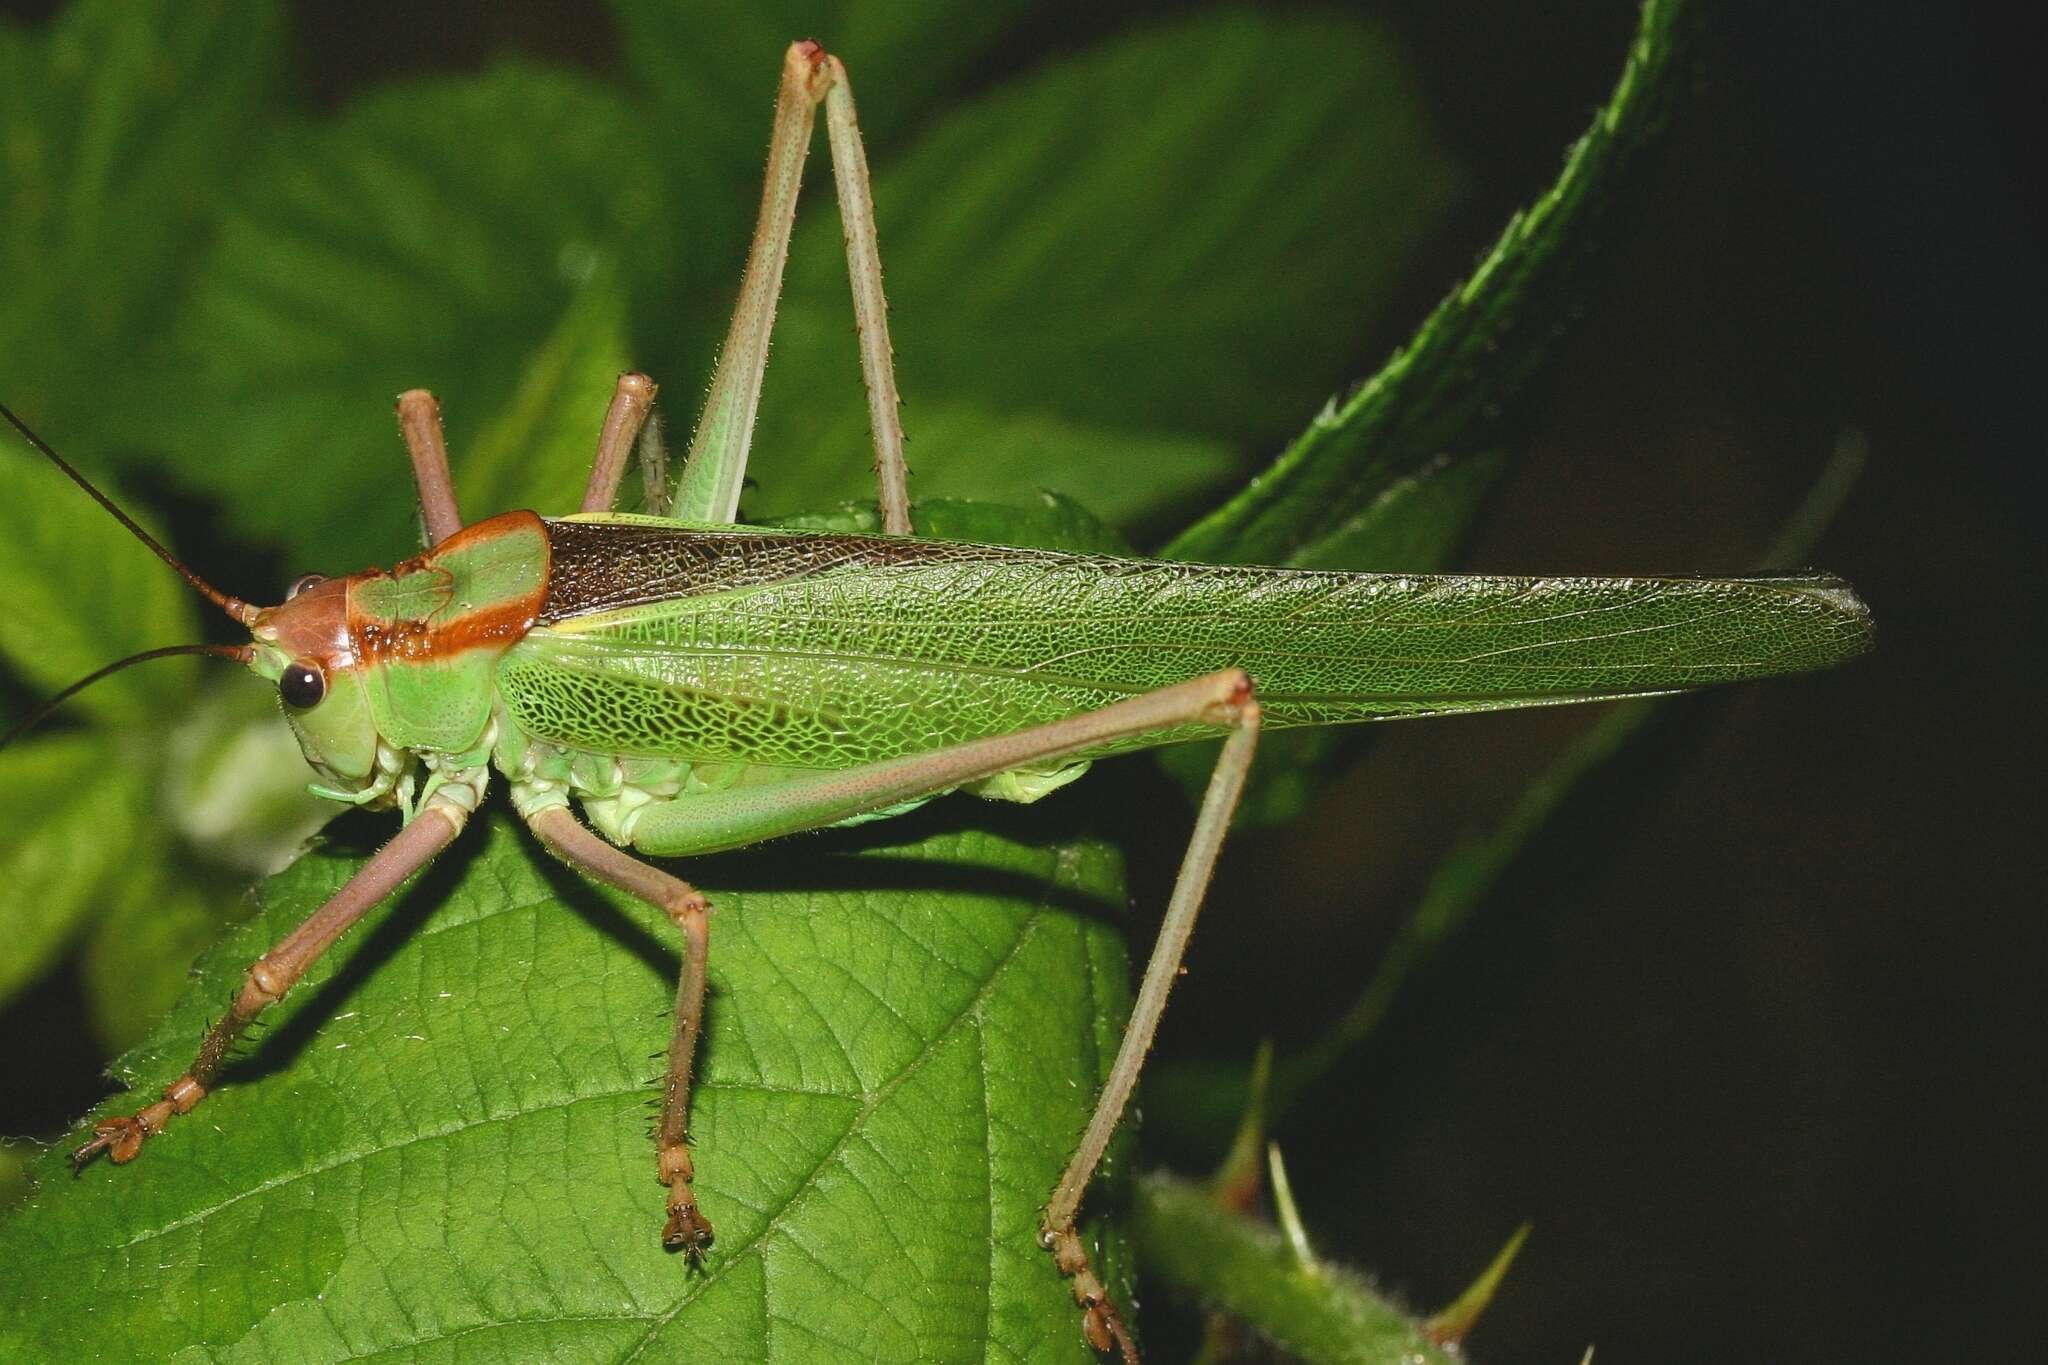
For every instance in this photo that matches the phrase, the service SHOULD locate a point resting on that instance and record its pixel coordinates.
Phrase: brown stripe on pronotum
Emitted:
(450, 627)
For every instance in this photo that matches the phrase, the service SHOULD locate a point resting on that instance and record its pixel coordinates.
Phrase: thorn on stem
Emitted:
(1456, 1321)
(1285, 1210)
(1238, 1180)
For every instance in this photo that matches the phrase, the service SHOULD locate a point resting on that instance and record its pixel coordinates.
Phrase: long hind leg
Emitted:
(708, 488)
(714, 821)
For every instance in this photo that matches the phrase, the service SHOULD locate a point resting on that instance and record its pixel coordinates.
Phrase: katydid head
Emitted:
(428, 631)
(305, 647)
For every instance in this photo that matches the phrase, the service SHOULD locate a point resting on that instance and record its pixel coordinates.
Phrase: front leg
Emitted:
(419, 421)
(278, 970)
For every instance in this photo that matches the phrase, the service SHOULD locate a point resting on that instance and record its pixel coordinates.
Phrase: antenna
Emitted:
(239, 653)
(233, 606)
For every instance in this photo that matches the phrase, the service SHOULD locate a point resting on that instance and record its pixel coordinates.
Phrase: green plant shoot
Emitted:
(694, 685)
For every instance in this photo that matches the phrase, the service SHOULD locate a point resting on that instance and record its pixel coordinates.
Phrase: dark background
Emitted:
(1751, 1041)
(1774, 1108)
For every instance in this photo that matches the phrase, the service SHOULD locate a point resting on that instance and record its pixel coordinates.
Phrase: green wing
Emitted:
(815, 651)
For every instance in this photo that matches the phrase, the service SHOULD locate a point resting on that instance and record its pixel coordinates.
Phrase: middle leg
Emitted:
(632, 399)
(687, 1230)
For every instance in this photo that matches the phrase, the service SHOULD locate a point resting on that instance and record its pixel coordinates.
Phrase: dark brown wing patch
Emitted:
(604, 566)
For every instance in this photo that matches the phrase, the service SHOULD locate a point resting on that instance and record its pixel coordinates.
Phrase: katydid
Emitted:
(697, 685)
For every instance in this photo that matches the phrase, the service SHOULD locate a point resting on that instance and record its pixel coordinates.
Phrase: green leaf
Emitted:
(1181, 232)
(536, 453)
(70, 818)
(443, 1138)
(81, 592)
(1465, 387)
(119, 125)
(14, 1186)
(136, 960)
(409, 243)
(708, 71)
(1394, 476)
(233, 782)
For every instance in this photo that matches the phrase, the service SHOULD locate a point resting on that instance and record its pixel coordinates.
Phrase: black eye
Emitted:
(301, 686)
(303, 582)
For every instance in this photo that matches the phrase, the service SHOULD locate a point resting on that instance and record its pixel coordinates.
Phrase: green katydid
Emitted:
(695, 685)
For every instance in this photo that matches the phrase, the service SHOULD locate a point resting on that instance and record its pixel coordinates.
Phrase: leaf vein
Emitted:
(971, 1009)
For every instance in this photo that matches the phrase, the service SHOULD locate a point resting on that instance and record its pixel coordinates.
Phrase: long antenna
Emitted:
(239, 653)
(233, 606)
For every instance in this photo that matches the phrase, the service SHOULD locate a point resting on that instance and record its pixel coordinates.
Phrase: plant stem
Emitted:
(1324, 1314)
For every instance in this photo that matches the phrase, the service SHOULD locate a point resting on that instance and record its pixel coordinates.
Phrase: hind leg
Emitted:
(709, 487)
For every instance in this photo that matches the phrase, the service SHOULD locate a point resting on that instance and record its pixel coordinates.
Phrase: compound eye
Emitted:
(301, 685)
(303, 582)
